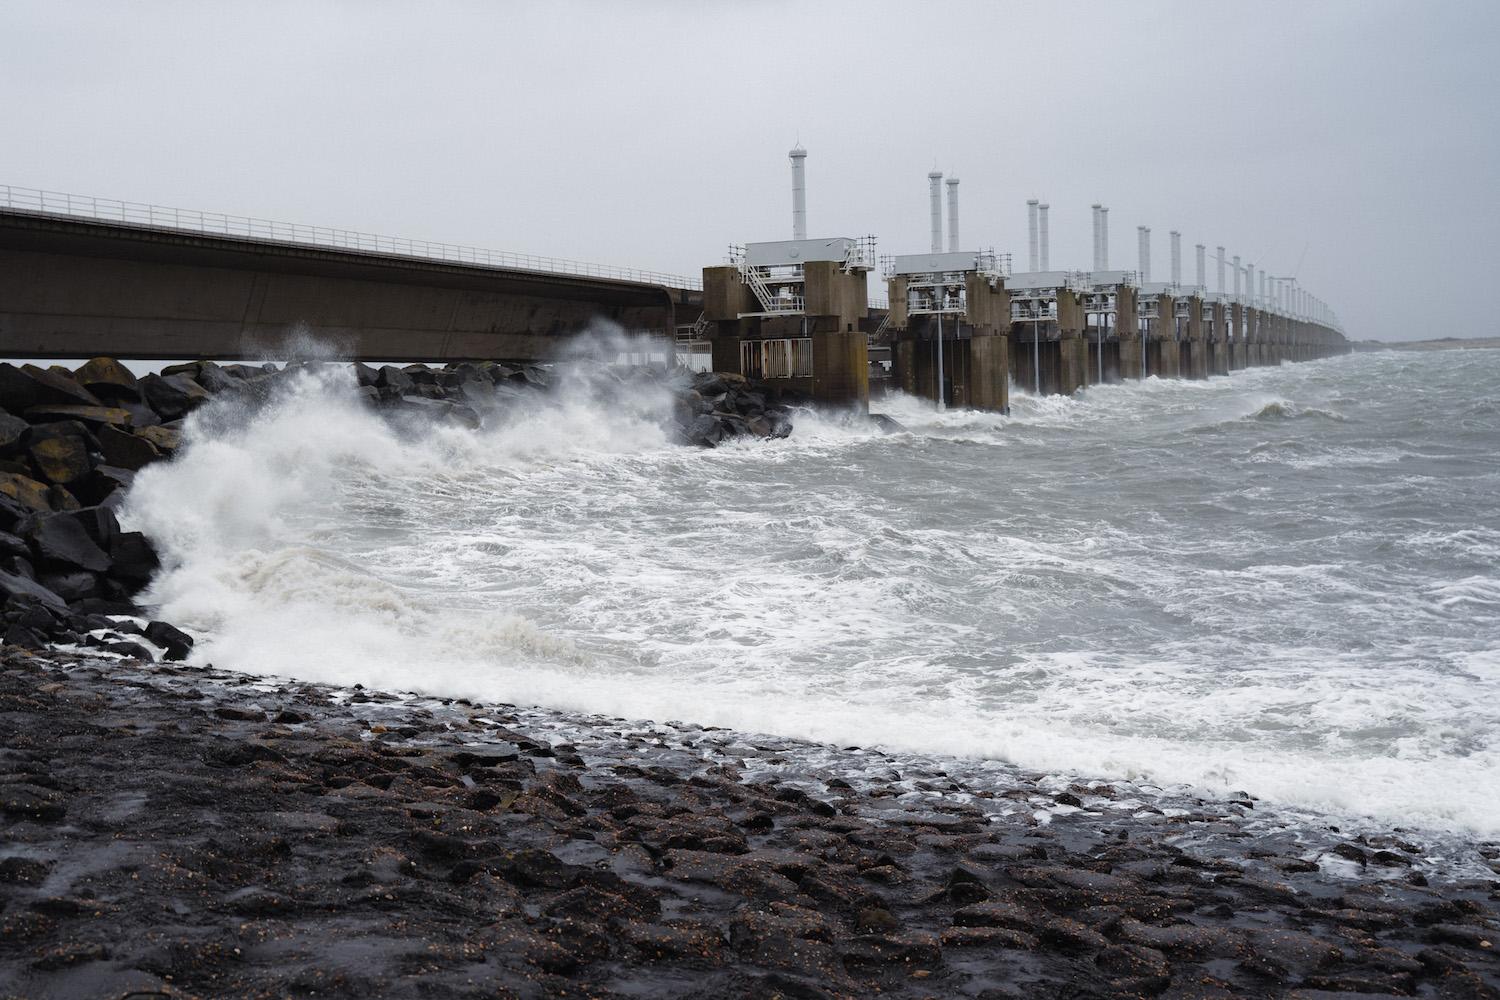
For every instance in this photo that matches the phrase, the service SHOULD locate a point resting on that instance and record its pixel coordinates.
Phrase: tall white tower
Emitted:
(935, 194)
(798, 157)
(1042, 217)
(952, 214)
(1034, 257)
(1104, 237)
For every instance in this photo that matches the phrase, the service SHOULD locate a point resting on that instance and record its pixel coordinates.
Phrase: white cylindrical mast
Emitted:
(1236, 278)
(1221, 270)
(1104, 237)
(1201, 270)
(953, 214)
(1034, 258)
(1143, 251)
(1176, 249)
(1042, 216)
(935, 196)
(798, 157)
(1095, 208)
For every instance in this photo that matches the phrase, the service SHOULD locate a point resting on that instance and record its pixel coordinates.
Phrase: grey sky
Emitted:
(1352, 143)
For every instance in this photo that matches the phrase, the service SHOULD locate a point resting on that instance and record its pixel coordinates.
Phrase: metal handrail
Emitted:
(193, 220)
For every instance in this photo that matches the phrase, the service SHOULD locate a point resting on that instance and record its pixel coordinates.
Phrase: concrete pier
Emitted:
(806, 337)
(950, 325)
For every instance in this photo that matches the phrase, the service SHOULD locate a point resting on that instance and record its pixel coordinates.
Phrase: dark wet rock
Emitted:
(177, 643)
(124, 450)
(62, 539)
(30, 802)
(61, 459)
(47, 387)
(26, 491)
(13, 432)
(172, 395)
(107, 378)
(22, 871)
(165, 439)
(994, 913)
(72, 585)
(93, 417)
(12, 586)
(132, 558)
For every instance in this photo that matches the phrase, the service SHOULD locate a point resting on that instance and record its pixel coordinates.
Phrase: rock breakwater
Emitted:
(72, 441)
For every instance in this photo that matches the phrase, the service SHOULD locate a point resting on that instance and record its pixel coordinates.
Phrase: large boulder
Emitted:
(26, 491)
(70, 584)
(705, 431)
(125, 450)
(99, 523)
(57, 385)
(141, 415)
(163, 438)
(364, 375)
(61, 498)
(11, 511)
(105, 486)
(391, 377)
(13, 431)
(216, 380)
(13, 587)
(61, 459)
(17, 389)
(176, 642)
(173, 396)
(134, 558)
(61, 540)
(93, 416)
(107, 378)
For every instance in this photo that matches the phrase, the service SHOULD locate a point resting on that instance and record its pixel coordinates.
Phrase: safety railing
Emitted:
(219, 224)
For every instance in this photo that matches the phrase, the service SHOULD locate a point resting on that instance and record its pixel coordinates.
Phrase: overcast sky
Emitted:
(1353, 143)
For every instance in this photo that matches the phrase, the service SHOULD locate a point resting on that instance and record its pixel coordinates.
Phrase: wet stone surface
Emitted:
(183, 832)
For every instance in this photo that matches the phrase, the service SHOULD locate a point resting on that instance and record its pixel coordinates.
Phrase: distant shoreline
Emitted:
(1440, 344)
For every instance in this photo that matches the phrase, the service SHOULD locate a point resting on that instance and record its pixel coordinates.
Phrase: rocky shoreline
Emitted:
(175, 831)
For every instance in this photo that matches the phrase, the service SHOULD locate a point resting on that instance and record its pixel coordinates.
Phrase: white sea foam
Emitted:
(1134, 581)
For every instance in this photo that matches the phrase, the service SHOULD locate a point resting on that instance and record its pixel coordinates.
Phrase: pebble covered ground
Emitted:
(174, 831)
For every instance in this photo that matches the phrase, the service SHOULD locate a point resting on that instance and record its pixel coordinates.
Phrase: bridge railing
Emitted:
(219, 224)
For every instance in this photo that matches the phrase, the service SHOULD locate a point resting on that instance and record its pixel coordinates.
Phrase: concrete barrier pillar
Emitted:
(1073, 354)
(1196, 355)
(989, 372)
(1165, 355)
(1219, 339)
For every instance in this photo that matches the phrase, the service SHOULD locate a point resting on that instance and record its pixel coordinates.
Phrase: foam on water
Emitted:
(1283, 582)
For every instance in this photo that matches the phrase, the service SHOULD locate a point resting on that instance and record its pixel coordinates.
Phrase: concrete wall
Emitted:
(73, 288)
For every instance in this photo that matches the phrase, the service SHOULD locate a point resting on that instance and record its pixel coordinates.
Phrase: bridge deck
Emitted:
(74, 287)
